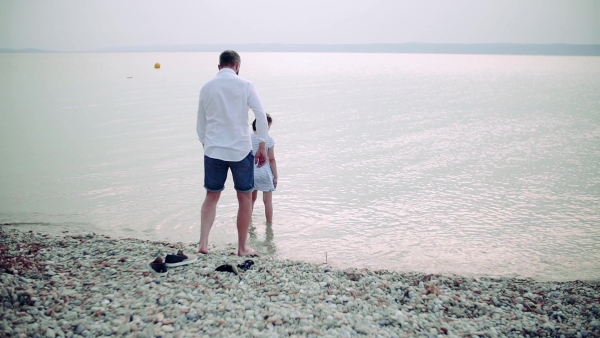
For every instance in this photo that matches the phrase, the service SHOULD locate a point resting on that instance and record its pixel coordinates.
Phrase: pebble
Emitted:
(67, 293)
(78, 329)
(168, 328)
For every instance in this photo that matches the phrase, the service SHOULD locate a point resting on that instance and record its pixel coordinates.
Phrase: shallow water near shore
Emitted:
(466, 164)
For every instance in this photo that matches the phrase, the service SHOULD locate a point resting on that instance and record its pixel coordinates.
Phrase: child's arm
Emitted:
(273, 165)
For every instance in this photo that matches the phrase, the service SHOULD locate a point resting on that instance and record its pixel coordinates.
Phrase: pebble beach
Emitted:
(96, 286)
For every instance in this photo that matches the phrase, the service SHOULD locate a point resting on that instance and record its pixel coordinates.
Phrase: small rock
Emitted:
(124, 329)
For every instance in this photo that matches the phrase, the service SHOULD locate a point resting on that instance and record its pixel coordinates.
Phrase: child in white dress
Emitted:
(265, 177)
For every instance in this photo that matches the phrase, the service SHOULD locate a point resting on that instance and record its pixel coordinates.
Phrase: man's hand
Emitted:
(261, 155)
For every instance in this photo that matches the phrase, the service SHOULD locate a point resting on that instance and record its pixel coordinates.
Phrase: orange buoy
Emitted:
(157, 65)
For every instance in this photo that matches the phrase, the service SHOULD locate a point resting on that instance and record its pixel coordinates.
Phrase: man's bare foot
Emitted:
(202, 250)
(249, 252)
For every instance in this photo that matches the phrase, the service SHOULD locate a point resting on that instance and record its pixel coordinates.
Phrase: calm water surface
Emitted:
(467, 164)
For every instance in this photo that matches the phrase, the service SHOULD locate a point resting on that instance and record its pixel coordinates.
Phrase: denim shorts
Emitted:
(215, 174)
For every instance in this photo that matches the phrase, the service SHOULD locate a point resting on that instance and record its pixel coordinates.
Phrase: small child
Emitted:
(265, 177)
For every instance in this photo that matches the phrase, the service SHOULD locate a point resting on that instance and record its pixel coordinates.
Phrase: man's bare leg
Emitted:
(207, 218)
(268, 200)
(243, 223)
(254, 196)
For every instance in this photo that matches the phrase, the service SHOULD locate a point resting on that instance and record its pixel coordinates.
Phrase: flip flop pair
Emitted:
(236, 269)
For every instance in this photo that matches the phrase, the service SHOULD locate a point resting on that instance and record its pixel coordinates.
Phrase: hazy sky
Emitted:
(87, 24)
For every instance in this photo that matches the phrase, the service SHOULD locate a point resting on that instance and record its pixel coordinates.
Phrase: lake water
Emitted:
(466, 164)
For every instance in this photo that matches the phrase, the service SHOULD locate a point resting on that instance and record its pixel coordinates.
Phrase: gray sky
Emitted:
(88, 24)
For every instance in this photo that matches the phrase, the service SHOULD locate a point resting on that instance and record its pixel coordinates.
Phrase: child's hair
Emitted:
(269, 121)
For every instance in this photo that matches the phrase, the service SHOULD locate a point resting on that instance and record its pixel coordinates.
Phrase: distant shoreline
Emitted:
(408, 48)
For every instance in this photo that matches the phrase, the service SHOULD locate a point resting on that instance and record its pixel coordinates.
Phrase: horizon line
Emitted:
(405, 47)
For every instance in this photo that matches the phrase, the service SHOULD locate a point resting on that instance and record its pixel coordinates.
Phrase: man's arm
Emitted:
(201, 122)
(262, 127)
(260, 157)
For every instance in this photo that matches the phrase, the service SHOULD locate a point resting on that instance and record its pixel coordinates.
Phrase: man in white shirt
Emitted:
(224, 131)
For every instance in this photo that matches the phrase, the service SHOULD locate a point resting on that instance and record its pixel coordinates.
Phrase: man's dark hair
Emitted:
(229, 58)
(269, 120)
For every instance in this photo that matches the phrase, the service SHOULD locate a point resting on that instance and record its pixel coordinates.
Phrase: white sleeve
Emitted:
(262, 127)
(201, 122)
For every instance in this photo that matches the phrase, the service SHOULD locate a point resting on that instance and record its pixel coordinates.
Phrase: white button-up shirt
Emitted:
(222, 125)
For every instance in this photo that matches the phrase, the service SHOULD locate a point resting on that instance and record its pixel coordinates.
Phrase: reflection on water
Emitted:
(467, 164)
(265, 246)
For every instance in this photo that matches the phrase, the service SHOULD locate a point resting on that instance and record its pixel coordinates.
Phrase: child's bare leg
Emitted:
(268, 200)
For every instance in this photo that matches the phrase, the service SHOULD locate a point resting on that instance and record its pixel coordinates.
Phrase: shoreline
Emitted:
(94, 285)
